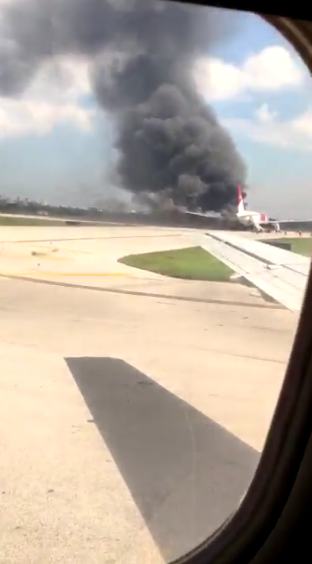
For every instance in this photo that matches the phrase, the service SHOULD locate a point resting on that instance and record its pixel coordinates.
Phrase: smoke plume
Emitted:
(171, 147)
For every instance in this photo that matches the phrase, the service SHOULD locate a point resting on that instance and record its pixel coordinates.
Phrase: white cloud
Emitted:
(303, 123)
(52, 98)
(295, 133)
(54, 95)
(28, 117)
(217, 80)
(270, 70)
(265, 115)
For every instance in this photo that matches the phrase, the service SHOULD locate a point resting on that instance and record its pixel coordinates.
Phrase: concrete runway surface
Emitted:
(133, 407)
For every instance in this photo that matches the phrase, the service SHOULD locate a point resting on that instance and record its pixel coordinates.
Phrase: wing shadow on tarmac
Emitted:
(185, 472)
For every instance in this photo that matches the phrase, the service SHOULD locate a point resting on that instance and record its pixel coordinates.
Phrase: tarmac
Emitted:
(133, 407)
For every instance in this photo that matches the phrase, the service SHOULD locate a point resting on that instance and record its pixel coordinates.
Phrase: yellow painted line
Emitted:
(34, 257)
(14, 256)
(49, 248)
(44, 273)
(76, 251)
(61, 248)
(45, 247)
(51, 258)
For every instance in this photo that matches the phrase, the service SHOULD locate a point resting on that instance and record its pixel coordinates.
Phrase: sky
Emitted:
(57, 145)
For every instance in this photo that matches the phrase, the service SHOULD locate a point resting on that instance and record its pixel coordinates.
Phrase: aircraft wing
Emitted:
(286, 221)
(293, 220)
(278, 273)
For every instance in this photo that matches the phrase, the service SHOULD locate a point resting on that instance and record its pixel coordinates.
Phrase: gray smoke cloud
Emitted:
(170, 144)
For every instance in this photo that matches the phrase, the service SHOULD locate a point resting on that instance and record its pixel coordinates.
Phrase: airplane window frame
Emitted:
(241, 537)
(244, 534)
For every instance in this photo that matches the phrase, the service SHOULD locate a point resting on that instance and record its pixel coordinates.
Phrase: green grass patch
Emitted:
(299, 245)
(192, 263)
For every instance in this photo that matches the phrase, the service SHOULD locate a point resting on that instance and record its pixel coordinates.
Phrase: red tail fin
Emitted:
(240, 194)
(240, 207)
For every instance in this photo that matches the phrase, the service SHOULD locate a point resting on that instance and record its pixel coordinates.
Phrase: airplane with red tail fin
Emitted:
(255, 220)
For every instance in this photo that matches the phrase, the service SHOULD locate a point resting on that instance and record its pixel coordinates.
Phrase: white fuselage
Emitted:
(247, 216)
(251, 219)
(254, 220)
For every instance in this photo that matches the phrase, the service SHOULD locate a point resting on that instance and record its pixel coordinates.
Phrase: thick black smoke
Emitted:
(143, 52)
